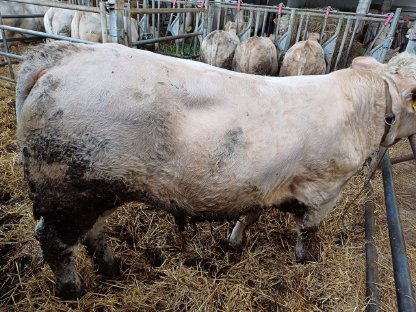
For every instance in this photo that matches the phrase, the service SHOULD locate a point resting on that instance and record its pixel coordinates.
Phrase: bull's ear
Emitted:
(365, 62)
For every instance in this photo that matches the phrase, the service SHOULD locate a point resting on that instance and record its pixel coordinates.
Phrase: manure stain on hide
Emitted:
(232, 139)
(141, 95)
(49, 81)
(57, 115)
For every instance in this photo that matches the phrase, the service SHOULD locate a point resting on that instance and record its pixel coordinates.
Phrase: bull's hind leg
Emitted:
(60, 256)
(235, 240)
(99, 250)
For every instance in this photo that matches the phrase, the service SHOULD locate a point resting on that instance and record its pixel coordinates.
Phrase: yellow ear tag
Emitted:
(414, 106)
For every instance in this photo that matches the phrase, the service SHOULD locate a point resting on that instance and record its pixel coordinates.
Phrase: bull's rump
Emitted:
(147, 127)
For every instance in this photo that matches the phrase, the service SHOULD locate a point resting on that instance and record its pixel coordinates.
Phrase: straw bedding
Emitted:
(162, 271)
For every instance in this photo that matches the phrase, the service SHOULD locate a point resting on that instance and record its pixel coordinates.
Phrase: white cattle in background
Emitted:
(13, 8)
(256, 55)
(304, 58)
(218, 47)
(58, 21)
(87, 26)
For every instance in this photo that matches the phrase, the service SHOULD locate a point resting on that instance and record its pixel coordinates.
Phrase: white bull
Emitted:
(192, 139)
(13, 8)
(304, 58)
(87, 26)
(58, 21)
(218, 47)
(256, 55)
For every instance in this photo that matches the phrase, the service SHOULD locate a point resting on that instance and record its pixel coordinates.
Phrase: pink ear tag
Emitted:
(327, 12)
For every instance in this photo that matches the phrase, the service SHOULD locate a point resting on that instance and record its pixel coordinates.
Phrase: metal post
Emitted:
(302, 16)
(290, 29)
(402, 277)
(263, 27)
(211, 14)
(371, 258)
(390, 35)
(115, 8)
(305, 31)
(357, 24)
(103, 14)
(363, 6)
(6, 47)
(127, 18)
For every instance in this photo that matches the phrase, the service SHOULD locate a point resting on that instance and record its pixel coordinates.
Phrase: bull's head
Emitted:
(399, 75)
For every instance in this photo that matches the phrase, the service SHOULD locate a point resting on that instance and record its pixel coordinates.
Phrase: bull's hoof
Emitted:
(305, 255)
(234, 244)
(69, 291)
(109, 269)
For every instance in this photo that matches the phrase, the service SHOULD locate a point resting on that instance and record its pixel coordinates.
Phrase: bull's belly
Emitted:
(65, 181)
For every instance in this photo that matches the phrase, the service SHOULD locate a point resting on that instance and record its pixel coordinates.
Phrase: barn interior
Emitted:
(163, 270)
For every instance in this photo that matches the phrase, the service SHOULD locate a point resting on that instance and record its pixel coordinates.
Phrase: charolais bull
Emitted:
(87, 26)
(218, 47)
(195, 140)
(58, 21)
(256, 55)
(304, 58)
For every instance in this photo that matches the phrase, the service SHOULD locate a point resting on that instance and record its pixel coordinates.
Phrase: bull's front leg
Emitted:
(307, 245)
(99, 250)
(236, 238)
(60, 256)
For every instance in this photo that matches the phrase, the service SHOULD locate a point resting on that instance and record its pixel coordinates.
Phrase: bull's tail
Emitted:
(47, 21)
(213, 55)
(306, 54)
(303, 58)
(75, 25)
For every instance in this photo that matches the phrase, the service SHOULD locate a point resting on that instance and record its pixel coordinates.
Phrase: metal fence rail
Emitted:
(402, 276)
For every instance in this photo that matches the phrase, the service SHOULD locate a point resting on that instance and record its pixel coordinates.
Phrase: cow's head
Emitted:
(399, 75)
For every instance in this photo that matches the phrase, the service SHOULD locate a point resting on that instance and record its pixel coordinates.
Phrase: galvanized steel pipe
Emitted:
(8, 16)
(371, 258)
(15, 56)
(363, 6)
(59, 5)
(165, 10)
(43, 35)
(154, 40)
(402, 277)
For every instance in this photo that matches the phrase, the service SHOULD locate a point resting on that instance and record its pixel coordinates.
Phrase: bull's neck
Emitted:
(367, 94)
